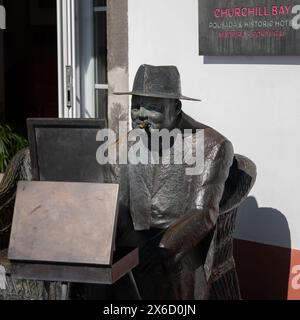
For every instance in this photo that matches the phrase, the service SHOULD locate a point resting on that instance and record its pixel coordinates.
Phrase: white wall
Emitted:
(253, 101)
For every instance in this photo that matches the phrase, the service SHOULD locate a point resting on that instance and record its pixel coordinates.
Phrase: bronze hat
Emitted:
(157, 81)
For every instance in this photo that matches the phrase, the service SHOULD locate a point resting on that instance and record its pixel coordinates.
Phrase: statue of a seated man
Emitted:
(168, 214)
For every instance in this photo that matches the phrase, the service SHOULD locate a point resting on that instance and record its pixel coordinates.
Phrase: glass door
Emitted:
(82, 58)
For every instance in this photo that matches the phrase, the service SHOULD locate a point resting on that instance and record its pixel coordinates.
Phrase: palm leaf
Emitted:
(10, 144)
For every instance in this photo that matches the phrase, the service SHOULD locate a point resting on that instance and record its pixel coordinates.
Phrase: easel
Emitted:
(65, 232)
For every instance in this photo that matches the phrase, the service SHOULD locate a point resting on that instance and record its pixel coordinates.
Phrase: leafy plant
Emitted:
(10, 144)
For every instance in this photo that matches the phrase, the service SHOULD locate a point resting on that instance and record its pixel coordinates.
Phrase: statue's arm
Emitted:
(196, 224)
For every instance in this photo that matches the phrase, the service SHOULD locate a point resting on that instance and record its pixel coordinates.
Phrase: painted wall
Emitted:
(254, 101)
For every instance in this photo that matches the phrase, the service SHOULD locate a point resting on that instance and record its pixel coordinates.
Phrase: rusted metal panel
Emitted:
(63, 222)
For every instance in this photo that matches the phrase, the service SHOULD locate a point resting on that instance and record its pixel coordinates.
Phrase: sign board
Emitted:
(249, 27)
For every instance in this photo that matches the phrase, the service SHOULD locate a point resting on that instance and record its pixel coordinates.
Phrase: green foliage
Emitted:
(10, 144)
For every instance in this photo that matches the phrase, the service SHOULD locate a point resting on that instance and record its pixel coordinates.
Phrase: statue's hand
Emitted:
(188, 231)
(172, 241)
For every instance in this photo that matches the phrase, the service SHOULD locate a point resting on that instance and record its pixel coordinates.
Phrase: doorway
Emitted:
(54, 60)
(30, 62)
(82, 58)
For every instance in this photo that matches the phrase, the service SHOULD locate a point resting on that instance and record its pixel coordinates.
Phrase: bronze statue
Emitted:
(183, 224)
(169, 215)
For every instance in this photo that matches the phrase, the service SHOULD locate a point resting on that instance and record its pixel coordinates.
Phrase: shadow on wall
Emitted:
(263, 269)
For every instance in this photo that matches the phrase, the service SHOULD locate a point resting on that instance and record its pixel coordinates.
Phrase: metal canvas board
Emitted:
(65, 149)
(63, 222)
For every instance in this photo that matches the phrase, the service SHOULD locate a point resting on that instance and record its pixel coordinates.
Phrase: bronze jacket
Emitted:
(164, 196)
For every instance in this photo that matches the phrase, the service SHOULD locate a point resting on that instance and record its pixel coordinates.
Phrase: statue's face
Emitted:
(153, 113)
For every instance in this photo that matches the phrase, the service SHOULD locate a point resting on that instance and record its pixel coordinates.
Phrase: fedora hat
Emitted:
(157, 81)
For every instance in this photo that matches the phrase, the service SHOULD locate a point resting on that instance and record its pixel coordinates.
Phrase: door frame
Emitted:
(117, 60)
(66, 49)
